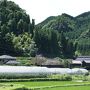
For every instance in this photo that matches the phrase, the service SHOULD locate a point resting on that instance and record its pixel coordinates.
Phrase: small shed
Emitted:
(5, 58)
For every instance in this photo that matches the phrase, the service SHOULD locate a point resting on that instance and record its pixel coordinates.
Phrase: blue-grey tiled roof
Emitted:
(83, 58)
(7, 57)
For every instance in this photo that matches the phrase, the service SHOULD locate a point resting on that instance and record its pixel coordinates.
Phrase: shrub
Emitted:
(23, 88)
(21, 76)
(61, 77)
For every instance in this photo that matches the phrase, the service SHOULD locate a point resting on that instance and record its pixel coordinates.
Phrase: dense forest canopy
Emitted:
(75, 29)
(16, 30)
(64, 36)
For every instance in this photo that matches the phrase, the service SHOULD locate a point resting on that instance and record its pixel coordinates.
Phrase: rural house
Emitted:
(81, 61)
(47, 62)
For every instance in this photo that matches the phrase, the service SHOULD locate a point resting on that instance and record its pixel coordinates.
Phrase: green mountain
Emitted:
(60, 23)
(68, 24)
(76, 29)
(64, 22)
(46, 21)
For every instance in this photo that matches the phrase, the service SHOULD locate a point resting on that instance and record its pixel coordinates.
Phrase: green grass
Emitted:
(71, 88)
(24, 61)
(6, 86)
(48, 83)
(42, 84)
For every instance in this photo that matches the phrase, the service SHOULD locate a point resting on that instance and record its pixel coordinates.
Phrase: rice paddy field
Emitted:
(71, 88)
(46, 85)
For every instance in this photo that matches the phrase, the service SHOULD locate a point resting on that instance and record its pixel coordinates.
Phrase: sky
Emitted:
(41, 9)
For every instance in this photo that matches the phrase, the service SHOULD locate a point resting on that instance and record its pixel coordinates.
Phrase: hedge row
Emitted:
(21, 76)
(40, 77)
(35, 79)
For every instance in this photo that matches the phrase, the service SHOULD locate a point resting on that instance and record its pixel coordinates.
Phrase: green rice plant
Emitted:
(64, 77)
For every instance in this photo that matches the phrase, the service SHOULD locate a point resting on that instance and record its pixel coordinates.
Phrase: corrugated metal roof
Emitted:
(13, 62)
(7, 57)
(83, 58)
(76, 62)
(80, 59)
(86, 61)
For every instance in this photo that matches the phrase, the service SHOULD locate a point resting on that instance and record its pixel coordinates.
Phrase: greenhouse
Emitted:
(79, 71)
(39, 70)
(60, 70)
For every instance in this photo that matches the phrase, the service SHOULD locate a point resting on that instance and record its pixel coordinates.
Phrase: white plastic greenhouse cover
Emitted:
(60, 70)
(23, 69)
(79, 71)
(40, 70)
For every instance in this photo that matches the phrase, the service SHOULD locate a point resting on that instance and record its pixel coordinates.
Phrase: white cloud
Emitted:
(41, 9)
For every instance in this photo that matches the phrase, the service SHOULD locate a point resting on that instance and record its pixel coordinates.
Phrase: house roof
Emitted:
(13, 62)
(76, 62)
(80, 59)
(83, 58)
(51, 62)
(7, 57)
(87, 61)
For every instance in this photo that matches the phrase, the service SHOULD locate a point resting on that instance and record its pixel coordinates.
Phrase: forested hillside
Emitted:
(64, 36)
(15, 30)
(75, 29)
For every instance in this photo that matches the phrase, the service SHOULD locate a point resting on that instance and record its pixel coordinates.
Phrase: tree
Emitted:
(12, 26)
(4, 3)
(8, 45)
(32, 50)
(24, 45)
(4, 30)
(14, 21)
(26, 27)
(70, 50)
(32, 26)
(20, 26)
(47, 42)
(63, 43)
